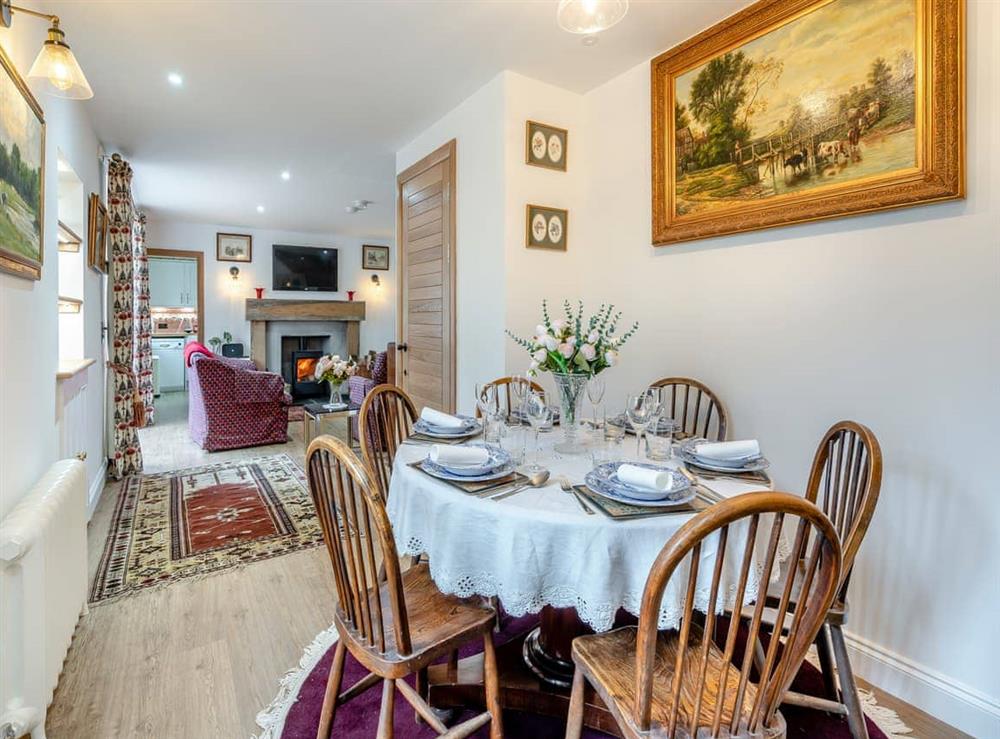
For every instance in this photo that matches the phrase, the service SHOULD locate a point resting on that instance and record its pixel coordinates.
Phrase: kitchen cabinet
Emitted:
(173, 283)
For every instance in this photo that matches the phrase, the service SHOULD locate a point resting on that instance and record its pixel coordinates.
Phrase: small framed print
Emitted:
(546, 228)
(98, 256)
(233, 247)
(546, 146)
(374, 257)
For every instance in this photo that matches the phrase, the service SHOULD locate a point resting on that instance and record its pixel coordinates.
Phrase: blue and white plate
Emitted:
(741, 464)
(604, 481)
(498, 459)
(436, 470)
(422, 427)
(662, 424)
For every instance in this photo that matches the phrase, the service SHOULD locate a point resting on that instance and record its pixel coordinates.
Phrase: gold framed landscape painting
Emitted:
(22, 164)
(800, 110)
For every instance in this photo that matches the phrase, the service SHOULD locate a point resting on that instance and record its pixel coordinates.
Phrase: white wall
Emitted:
(478, 127)
(225, 300)
(29, 343)
(891, 319)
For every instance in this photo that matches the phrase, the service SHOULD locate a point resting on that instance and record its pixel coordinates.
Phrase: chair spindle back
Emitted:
(720, 696)
(502, 385)
(694, 406)
(845, 481)
(386, 418)
(358, 538)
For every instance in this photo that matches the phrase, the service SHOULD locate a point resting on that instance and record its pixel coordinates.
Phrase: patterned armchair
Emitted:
(232, 405)
(359, 386)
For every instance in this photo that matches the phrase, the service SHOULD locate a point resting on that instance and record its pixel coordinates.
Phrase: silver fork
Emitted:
(567, 488)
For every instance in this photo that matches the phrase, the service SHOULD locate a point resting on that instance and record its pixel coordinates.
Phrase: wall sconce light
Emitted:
(376, 281)
(55, 66)
(234, 272)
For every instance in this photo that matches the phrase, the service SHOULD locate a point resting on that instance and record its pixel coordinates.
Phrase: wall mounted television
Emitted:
(303, 268)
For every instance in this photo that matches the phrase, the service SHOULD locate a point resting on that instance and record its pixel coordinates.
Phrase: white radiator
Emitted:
(43, 591)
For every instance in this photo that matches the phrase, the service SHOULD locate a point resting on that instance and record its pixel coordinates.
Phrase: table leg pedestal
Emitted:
(520, 689)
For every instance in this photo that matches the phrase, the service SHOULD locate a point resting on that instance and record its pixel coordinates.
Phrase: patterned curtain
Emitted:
(142, 350)
(127, 454)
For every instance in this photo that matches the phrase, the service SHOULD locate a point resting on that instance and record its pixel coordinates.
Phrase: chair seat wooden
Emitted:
(438, 624)
(608, 661)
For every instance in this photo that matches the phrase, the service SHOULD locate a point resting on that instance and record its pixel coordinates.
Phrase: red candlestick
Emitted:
(260, 292)
(350, 295)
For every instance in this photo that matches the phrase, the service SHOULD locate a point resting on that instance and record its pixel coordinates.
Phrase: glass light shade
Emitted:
(57, 72)
(590, 16)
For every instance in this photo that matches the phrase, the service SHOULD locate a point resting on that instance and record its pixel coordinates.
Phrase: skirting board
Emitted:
(948, 700)
(96, 488)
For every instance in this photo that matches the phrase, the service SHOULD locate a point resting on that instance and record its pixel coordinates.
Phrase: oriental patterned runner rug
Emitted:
(176, 525)
(294, 713)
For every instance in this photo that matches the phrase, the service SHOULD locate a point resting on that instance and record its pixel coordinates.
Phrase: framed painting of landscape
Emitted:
(799, 110)
(22, 164)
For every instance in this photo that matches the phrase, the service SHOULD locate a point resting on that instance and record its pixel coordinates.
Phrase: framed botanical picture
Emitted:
(546, 228)
(233, 247)
(374, 257)
(799, 110)
(98, 256)
(22, 181)
(546, 146)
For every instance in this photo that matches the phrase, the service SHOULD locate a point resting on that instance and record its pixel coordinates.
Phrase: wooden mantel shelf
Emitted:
(260, 312)
(305, 310)
(70, 367)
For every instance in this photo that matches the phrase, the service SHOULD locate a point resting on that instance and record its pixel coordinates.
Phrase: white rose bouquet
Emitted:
(570, 346)
(333, 369)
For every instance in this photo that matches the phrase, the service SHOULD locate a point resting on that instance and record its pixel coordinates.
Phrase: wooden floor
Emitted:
(200, 658)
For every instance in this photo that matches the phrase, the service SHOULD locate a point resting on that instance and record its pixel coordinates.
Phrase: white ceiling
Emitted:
(327, 90)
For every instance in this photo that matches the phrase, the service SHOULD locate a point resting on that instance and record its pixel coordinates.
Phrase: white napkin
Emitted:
(641, 477)
(447, 455)
(727, 450)
(442, 420)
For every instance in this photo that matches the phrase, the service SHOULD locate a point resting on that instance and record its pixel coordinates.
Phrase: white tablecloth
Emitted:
(539, 548)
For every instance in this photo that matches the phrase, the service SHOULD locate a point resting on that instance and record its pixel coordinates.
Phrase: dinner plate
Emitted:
(498, 458)
(686, 448)
(441, 473)
(604, 481)
(422, 427)
(663, 424)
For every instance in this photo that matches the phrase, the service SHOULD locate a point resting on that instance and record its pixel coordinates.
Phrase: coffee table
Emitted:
(315, 412)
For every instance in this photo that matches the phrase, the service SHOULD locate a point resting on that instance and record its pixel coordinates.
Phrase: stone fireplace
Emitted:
(288, 336)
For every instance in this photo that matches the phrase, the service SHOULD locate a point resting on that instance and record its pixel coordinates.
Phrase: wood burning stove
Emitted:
(298, 363)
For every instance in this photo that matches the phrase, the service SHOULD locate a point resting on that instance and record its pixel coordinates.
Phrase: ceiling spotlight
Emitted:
(361, 204)
(175, 79)
(590, 16)
(260, 208)
(590, 40)
(286, 175)
(351, 209)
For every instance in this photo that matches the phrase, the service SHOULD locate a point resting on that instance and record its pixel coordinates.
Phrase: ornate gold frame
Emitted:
(940, 103)
(17, 264)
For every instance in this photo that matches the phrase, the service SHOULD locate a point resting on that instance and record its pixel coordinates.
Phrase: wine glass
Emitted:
(486, 398)
(642, 410)
(519, 387)
(538, 414)
(595, 393)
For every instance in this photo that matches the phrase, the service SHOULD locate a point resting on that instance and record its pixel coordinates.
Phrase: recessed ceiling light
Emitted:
(260, 208)
(351, 209)
(590, 40)
(286, 175)
(175, 79)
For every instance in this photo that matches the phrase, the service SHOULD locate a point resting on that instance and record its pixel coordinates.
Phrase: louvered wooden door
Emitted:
(426, 222)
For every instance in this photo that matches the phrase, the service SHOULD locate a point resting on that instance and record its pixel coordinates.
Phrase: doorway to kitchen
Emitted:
(177, 310)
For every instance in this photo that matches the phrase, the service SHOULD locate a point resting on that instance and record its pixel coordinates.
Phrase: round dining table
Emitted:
(539, 551)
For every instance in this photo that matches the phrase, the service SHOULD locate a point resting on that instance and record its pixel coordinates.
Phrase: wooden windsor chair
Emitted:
(396, 625)
(694, 406)
(681, 684)
(503, 391)
(385, 420)
(844, 481)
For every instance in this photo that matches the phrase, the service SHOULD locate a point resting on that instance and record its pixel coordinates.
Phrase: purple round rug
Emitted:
(358, 719)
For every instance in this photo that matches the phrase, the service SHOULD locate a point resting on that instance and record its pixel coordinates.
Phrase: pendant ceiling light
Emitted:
(55, 69)
(590, 16)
